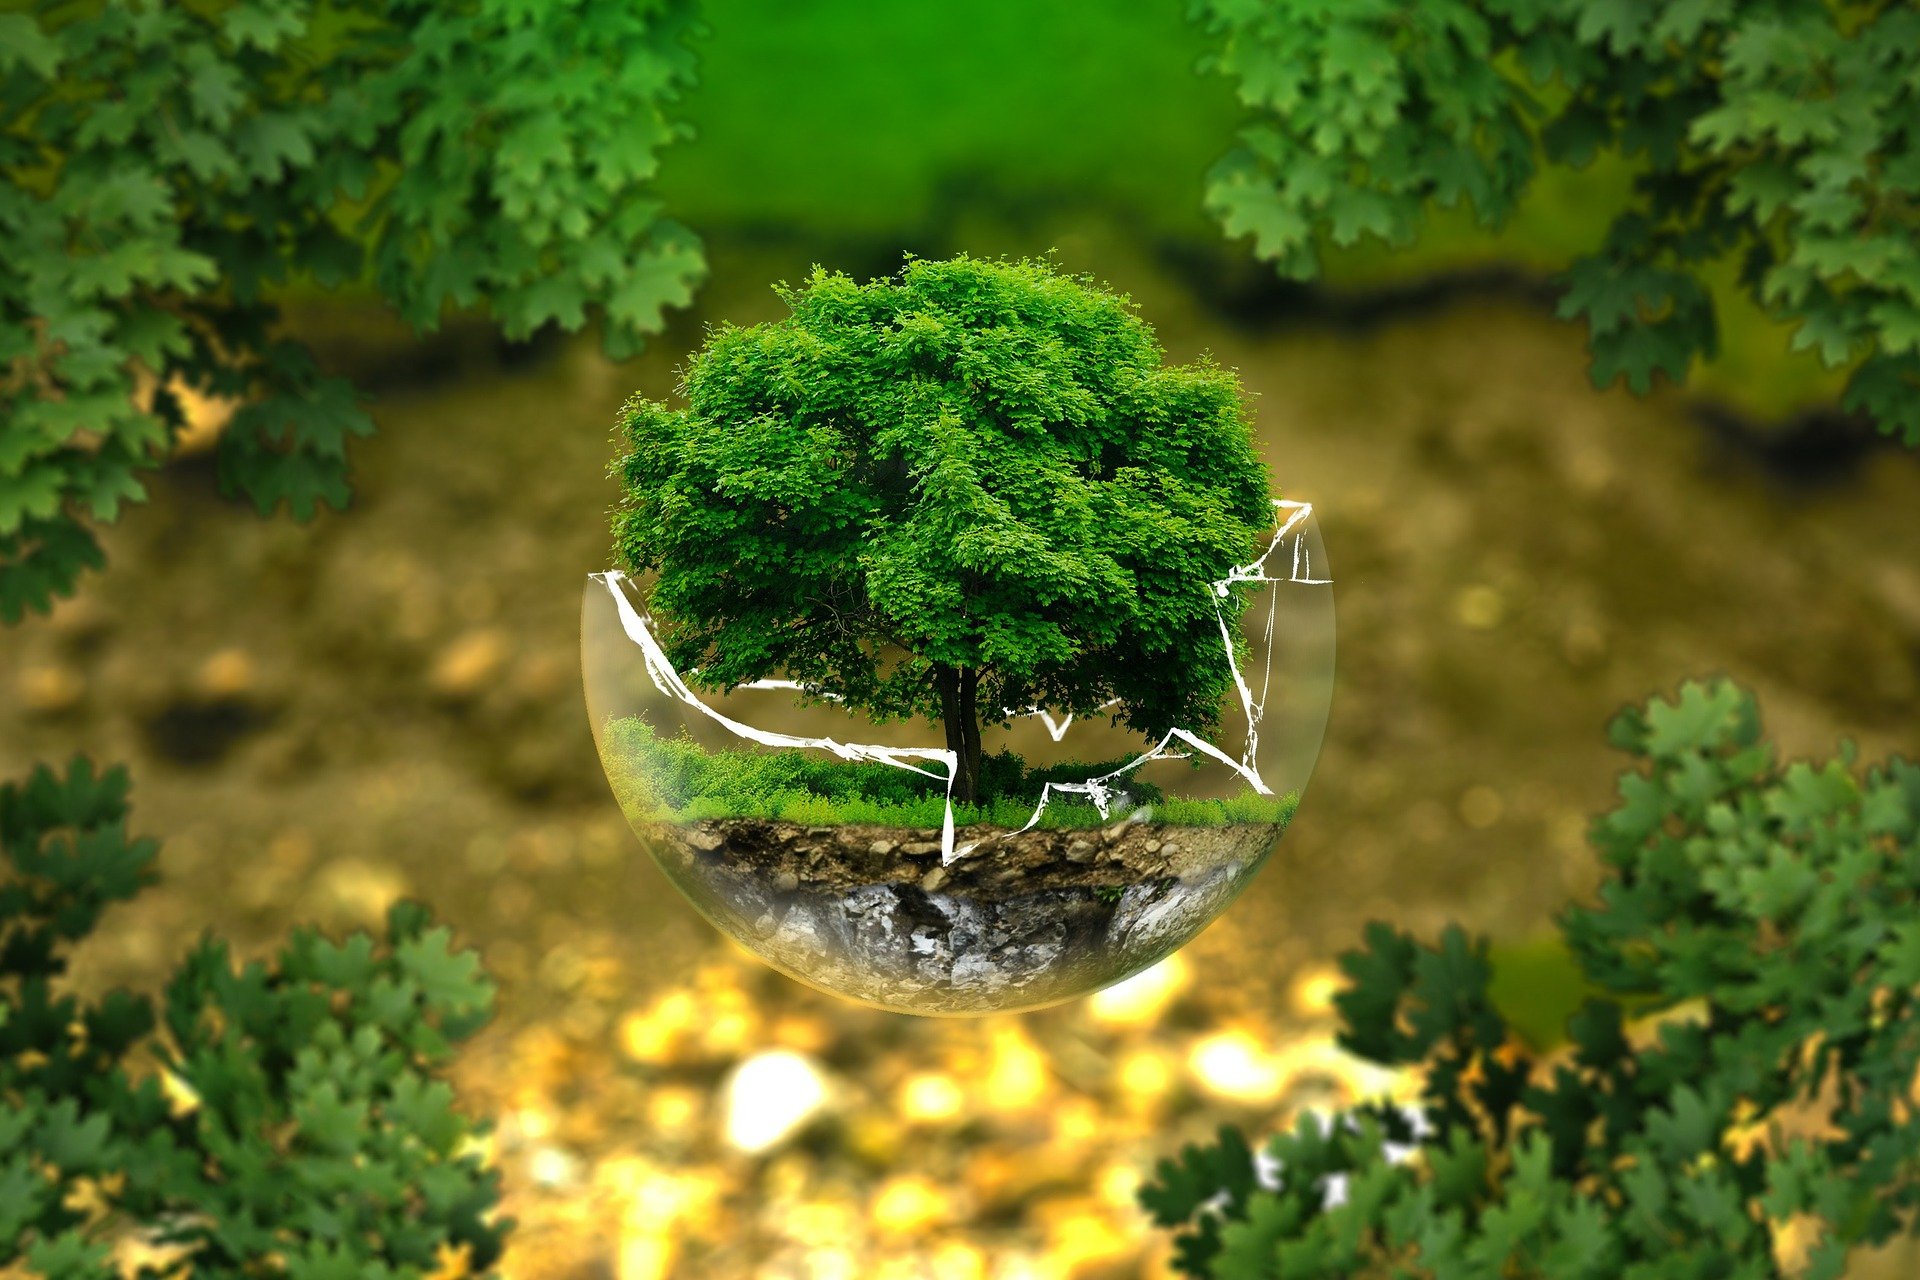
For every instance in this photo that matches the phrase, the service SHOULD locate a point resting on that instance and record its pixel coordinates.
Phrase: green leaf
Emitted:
(450, 981)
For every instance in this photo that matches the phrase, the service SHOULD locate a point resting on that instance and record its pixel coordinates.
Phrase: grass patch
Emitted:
(676, 780)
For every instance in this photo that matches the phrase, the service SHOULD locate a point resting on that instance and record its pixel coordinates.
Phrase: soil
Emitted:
(1024, 918)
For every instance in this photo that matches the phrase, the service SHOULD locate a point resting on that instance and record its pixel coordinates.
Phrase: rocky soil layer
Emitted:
(1023, 919)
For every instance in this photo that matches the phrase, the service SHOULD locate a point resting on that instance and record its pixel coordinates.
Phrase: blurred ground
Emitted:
(386, 702)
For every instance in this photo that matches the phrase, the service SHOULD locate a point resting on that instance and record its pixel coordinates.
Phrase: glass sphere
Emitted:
(830, 843)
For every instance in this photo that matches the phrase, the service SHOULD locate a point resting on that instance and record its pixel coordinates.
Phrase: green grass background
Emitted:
(834, 121)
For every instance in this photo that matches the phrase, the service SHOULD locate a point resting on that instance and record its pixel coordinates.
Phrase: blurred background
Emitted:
(386, 703)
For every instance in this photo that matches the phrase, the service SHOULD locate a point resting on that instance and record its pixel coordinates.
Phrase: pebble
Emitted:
(881, 848)
(704, 841)
(770, 1097)
(933, 879)
(1080, 851)
(785, 882)
(465, 667)
(920, 848)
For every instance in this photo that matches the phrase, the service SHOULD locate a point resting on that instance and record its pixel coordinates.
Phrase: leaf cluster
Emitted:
(974, 464)
(1769, 917)
(165, 167)
(1781, 134)
(677, 780)
(278, 1118)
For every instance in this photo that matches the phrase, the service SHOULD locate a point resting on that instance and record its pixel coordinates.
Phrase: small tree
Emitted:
(970, 488)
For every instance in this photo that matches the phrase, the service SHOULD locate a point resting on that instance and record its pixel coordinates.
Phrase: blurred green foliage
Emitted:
(1774, 142)
(164, 167)
(837, 120)
(1765, 915)
(301, 1131)
(982, 467)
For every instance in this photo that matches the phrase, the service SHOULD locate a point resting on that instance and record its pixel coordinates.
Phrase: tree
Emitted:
(971, 488)
(164, 167)
(1781, 134)
(1761, 920)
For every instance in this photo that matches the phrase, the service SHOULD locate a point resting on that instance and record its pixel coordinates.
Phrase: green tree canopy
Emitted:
(971, 487)
(163, 167)
(1783, 135)
(308, 1131)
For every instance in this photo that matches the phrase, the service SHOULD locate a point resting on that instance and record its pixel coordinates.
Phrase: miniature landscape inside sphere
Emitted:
(961, 656)
(827, 843)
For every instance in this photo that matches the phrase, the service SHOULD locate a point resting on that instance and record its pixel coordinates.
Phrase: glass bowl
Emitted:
(829, 844)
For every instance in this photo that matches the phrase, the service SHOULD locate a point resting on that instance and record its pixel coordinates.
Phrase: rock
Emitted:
(1080, 851)
(882, 848)
(933, 879)
(920, 848)
(704, 841)
(785, 881)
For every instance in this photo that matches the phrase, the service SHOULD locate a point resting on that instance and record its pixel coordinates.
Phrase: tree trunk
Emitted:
(959, 689)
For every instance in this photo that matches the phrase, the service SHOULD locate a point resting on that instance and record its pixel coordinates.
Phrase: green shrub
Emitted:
(676, 779)
(1777, 138)
(307, 1135)
(1769, 915)
(164, 167)
(984, 468)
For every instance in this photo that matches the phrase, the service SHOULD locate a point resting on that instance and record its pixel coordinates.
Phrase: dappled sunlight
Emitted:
(820, 1139)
